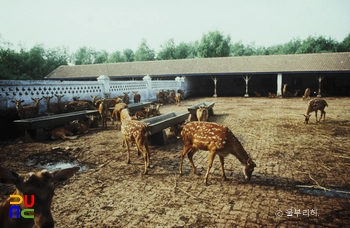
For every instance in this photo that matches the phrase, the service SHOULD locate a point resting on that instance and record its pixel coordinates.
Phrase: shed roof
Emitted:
(312, 63)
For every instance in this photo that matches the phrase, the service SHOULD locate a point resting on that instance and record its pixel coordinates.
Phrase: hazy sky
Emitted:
(115, 25)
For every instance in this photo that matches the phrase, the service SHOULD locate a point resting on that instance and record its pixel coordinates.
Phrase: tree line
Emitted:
(36, 63)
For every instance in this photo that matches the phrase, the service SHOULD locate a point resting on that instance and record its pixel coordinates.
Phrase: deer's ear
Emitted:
(64, 174)
(8, 176)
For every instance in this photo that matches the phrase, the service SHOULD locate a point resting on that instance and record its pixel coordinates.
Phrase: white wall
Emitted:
(25, 90)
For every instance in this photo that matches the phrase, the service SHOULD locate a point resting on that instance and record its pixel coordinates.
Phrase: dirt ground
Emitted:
(294, 161)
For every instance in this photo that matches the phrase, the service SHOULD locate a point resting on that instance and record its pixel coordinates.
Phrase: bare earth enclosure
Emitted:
(301, 179)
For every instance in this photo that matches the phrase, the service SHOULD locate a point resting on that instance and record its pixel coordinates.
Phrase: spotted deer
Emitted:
(218, 140)
(135, 131)
(313, 106)
(202, 113)
(40, 186)
(306, 94)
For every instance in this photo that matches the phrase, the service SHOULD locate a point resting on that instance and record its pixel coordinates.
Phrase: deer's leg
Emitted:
(222, 168)
(145, 157)
(324, 115)
(190, 157)
(128, 150)
(183, 153)
(210, 163)
(148, 153)
(316, 115)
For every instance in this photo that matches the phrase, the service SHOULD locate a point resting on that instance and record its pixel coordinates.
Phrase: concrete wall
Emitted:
(25, 90)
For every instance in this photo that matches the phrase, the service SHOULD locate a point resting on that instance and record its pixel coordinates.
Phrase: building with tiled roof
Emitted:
(266, 73)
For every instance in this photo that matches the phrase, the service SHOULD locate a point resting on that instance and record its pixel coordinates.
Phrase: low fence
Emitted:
(25, 90)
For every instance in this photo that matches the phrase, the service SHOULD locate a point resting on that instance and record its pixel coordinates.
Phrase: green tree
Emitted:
(84, 55)
(129, 55)
(237, 49)
(9, 62)
(100, 57)
(274, 50)
(28, 65)
(291, 47)
(167, 51)
(214, 44)
(317, 45)
(261, 51)
(54, 58)
(186, 50)
(116, 57)
(344, 46)
(144, 53)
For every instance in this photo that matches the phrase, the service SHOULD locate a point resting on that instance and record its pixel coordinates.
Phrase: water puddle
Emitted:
(53, 160)
(57, 165)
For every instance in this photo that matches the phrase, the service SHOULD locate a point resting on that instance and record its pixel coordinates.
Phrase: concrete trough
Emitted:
(52, 121)
(135, 106)
(193, 109)
(159, 123)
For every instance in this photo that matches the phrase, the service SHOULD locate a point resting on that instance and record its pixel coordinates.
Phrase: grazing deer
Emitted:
(306, 94)
(137, 97)
(135, 131)
(41, 186)
(313, 106)
(29, 111)
(202, 113)
(217, 139)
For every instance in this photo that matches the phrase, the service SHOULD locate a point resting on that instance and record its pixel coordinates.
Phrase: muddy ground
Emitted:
(294, 161)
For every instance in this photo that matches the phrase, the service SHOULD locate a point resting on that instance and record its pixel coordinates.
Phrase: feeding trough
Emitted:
(31, 125)
(193, 109)
(52, 121)
(159, 123)
(135, 106)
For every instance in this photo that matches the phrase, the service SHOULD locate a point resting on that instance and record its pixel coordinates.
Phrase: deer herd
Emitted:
(199, 135)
